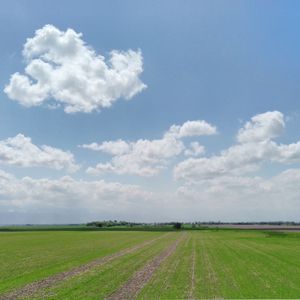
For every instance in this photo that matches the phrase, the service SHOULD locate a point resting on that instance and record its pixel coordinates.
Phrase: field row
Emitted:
(150, 265)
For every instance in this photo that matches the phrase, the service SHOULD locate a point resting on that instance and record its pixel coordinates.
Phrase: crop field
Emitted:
(187, 264)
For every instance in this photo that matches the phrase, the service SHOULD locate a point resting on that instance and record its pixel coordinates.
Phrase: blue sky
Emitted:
(218, 62)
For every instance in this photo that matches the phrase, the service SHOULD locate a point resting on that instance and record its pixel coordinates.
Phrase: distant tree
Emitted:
(177, 225)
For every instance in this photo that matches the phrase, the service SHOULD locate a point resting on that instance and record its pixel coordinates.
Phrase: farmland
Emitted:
(184, 264)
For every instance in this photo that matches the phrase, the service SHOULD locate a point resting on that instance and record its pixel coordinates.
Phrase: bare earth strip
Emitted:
(31, 288)
(131, 288)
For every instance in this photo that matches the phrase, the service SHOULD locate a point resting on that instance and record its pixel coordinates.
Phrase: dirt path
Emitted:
(31, 288)
(131, 288)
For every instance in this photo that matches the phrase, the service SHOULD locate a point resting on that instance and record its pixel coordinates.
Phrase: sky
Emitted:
(149, 111)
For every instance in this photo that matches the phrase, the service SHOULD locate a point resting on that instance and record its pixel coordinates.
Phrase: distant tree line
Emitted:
(180, 225)
(112, 223)
(116, 223)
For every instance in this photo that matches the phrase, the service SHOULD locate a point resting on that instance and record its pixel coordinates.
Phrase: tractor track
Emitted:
(140, 278)
(32, 288)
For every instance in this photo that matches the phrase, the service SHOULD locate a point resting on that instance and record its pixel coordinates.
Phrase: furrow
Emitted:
(32, 288)
(132, 287)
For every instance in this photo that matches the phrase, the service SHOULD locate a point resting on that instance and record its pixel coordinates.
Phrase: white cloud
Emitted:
(236, 198)
(262, 127)
(192, 128)
(68, 200)
(20, 151)
(195, 149)
(227, 198)
(117, 147)
(237, 159)
(288, 153)
(63, 68)
(143, 157)
(254, 148)
(148, 157)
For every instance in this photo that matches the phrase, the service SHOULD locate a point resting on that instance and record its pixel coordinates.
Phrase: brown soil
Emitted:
(31, 288)
(131, 288)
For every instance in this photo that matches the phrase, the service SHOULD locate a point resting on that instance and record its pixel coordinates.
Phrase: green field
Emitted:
(202, 264)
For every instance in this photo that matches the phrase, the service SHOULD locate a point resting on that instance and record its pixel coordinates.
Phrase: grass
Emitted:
(22, 228)
(230, 264)
(29, 256)
(104, 280)
(173, 280)
(206, 264)
(83, 227)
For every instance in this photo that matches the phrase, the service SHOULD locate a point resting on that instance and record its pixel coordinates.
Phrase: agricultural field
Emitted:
(184, 264)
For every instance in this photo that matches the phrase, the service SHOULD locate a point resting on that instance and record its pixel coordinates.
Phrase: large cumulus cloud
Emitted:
(21, 151)
(255, 146)
(62, 68)
(146, 157)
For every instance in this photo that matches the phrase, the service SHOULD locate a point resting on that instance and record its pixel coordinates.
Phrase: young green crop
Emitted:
(102, 281)
(30, 256)
(230, 264)
(206, 263)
